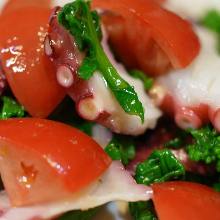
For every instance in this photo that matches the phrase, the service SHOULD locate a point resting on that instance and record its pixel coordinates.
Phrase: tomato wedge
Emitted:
(148, 37)
(42, 160)
(12, 5)
(185, 200)
(29, 72)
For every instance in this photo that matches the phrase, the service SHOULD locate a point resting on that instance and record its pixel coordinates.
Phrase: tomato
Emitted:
(29, 72)
(185, 200)
(148, 37)
(150, 58)
(12, 5)
(42, 160)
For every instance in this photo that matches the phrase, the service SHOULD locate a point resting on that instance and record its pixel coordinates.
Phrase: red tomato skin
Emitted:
(13, 5)
(70, 157)
(29, 72)
(174, 35)
(149, 58)
(185, 200)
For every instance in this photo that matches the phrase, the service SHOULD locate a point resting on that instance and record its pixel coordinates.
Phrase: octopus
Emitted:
(94, 101)
(190, 95)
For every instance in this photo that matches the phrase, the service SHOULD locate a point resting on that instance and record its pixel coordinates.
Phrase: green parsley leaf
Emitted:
(181, 139)
(79, 215)
(160, 166)
(142, 210)
(11, 108)
(217, 187)
(174, 143)
(121, 148)
(84, 25)
(211, 20)
(205, 147)
(148, 81)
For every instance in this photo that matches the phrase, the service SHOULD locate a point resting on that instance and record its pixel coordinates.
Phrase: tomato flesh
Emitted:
(149, 58)
(42, 160)
(13, 5)
(148, 37)
(185, 200)
(29, 72)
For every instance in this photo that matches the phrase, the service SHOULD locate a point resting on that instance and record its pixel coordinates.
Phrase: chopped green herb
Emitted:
(10, 108)
(112, 149)
(85, 126)
(211, 20)
(174, 143)
(206, 146)
(148, 81)
(160, 166)
(79, 215)
(121, 148)
(84, 25)
(142, 210)
(180, 140)
(217, 187)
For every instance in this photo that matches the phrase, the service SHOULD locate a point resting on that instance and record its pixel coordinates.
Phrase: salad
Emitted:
(105, 101)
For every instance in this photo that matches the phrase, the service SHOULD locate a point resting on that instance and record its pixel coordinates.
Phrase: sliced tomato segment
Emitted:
(148, 37)
(185, 200)
(42, 160)
(13, 5)
(29, 72)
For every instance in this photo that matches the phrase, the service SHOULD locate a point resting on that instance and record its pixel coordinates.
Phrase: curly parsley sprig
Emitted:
(211, 20)
(206, 146)
(160, 166)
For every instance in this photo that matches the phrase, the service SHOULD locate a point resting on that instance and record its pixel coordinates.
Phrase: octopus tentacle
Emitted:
(191, 95)
(94, 100)
(185, 116)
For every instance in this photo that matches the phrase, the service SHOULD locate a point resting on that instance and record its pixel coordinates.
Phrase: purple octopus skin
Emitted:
(61, 48)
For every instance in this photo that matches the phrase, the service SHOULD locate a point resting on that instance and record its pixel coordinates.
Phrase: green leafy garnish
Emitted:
(121, 148)
(142, 210)
(216, 186)
(79, 215)
(84, 25)
(206, 146)
(10, 108)
(85, 126)
(179, 141)
(174, 143)
(148, 81)
(160, 166)
(211, 20)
